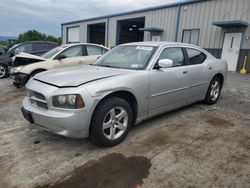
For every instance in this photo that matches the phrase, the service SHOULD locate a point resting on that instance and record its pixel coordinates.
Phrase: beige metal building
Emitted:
(220, 26)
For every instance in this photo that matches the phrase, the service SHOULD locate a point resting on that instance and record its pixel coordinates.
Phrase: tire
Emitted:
(107, 114)
(213, 92)
(3, 71)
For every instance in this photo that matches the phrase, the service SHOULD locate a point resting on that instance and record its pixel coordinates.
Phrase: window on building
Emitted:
(191, 36)
(175, 54)
(195, 56)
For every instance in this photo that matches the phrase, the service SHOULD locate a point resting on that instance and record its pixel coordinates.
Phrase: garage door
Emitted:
(73, 35)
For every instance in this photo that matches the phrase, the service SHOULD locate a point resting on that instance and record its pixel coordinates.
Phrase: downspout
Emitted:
(107, 33)
(177, 22)
(62, 42)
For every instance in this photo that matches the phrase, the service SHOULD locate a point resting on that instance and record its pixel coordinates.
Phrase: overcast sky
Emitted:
(18, 16)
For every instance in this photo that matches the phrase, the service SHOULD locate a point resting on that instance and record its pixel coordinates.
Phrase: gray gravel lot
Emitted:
(196, 146)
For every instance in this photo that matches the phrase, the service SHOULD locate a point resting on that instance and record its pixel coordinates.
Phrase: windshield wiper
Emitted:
(109, 66)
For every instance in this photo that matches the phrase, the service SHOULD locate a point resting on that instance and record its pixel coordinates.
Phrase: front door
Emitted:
(74, 56)
(231, 48)
(168, 86)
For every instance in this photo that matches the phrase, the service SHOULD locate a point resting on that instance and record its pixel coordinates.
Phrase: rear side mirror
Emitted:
(61, 56)
(165, 63)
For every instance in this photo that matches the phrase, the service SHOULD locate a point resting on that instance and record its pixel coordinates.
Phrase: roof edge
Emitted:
(172, 4)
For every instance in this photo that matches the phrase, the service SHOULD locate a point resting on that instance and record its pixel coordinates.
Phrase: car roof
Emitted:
(38, 41)
(75, 44)
(159, 43)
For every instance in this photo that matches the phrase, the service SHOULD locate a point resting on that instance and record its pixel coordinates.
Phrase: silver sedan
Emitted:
(129, 84)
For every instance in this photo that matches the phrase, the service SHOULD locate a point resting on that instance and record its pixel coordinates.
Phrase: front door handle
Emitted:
(210, 68)
(184, 72)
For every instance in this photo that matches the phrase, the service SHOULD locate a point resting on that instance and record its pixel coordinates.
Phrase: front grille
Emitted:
(37, 99)
(39, 96)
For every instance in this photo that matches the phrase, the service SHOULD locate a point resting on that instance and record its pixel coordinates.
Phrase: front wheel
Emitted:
(213, 92)
(111, 122)
(3, 71)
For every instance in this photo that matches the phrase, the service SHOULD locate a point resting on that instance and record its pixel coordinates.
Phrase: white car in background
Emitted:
(27, 65)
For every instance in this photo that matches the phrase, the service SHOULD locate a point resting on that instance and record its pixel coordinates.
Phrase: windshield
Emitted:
(12, 48)
(53, 52)
(127, 57)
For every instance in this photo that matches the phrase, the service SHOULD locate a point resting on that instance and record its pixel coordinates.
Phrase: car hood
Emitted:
(23, 59)
(76, 76)
(29, 56)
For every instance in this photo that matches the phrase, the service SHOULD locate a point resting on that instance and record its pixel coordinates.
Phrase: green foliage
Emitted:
(4, 43)
(33, 35)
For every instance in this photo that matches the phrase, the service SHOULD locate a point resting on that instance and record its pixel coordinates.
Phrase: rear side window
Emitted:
(93, 50)
(175, 54)
(195, 56)
(41, 46)
(104, 50)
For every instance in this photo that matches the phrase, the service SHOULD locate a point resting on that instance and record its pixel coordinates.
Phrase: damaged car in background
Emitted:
(27, 65)
(31, 47)
(129, 84)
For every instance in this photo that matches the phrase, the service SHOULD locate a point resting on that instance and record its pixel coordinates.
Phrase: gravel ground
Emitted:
(196, 146)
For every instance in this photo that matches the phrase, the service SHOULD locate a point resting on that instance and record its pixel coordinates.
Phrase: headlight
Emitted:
(15, 69)
(72, 101)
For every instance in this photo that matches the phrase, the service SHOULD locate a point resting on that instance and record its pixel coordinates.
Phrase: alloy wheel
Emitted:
(215, 90)
(115, 123)
(2, 71)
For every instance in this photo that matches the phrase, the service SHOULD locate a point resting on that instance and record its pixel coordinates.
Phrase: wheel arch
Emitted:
(37, 70)
(124, 94)
(220, 76)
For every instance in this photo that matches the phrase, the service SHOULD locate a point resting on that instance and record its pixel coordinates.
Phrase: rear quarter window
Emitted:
(93, 50)
(195, 56)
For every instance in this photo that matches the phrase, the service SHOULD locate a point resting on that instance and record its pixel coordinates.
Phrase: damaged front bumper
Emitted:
(19, 79)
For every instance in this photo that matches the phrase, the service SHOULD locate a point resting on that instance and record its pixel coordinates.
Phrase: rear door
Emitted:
(197, 73)
(92, 53)
(168, 86)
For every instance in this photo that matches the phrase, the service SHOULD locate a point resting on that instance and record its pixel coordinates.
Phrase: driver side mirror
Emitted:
(61, 56)
(12, 53)
(164, 63)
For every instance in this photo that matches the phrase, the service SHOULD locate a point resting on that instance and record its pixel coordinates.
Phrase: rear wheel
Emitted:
(3, 71)
(213, 92)
(111, 122)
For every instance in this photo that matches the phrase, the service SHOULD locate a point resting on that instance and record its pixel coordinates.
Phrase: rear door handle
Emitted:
(210, 68)
(184, 72)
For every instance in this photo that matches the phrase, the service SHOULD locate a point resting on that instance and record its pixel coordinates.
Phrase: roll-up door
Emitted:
(73, 35)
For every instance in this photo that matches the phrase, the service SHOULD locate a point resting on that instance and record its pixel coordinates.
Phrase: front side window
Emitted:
(73, 51)
(53, 52)
(195, 56)
(93, 50)
(127, 57)
(174, 54)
